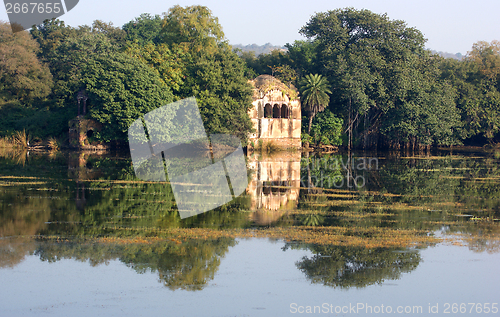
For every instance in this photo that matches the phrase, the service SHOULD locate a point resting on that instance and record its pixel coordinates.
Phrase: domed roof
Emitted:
(265, 83)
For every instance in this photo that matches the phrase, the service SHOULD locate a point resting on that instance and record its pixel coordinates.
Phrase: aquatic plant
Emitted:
(22, 139)
(6, 142)
(53, 144)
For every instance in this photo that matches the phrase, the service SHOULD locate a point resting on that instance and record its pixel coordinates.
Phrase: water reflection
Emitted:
(22, 216)
(90, 207)
(346, 267)
(275, 185)
(187, 265)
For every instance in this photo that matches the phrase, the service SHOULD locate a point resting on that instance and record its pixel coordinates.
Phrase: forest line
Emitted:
(385, 90)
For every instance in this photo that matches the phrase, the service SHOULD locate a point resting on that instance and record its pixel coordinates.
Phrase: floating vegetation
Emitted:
(10, 184)
(353, 194)
(334, 235)
(21, 180)
(352, 214)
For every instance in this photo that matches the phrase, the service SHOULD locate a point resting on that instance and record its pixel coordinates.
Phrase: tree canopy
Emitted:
(387, 89)
(377, 68)
(121, 88)
(193, 26)
(476, 82)
(144, 29)
(213, 73)
(22, 76)
(149, 62)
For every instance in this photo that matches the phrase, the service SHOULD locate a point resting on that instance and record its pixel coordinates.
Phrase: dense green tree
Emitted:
(169, 64)
(54, 38)
(144, 29)
(115, 34)
(486, 56)
(467, 94)
(217, 80)
(476, 81)
(327, 129)
(274, 63)
(314, 90)
(194, 27)
(425, 113)
(120, 87)
(215, 75)
(372, 63)
(302, 57)
(251, 63)
(22, 76)
(50, 34)
(269, 62)
(285, 73)
(484, 73)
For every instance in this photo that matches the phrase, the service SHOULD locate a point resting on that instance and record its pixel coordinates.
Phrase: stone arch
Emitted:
(268, 111)
(276, 111)
(90, 133)
(285, 112)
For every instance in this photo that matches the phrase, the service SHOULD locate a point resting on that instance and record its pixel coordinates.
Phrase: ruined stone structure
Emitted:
(81, 132)
(275, 115)
(81, 129)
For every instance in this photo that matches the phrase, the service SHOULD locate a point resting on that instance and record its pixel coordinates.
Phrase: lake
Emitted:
(314, 234)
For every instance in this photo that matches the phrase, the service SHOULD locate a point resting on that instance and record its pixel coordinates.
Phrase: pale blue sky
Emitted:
(450, 26)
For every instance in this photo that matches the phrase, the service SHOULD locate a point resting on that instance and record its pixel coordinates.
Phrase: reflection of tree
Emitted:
(26, 212)
(121, 200)
(187, 265)
(13, 251)
(320, 171)
(191, 265)
(84, 251)
(420, 192)
(470, 183)
(480, 244)
(483, 236)
(312, 220)
(346, 267)
(20, 218)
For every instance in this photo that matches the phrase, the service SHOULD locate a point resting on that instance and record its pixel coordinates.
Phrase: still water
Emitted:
(338, 235)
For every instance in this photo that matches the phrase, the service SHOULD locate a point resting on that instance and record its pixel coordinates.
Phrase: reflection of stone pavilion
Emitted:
(275, 185)
(275, 115)
(81, 169)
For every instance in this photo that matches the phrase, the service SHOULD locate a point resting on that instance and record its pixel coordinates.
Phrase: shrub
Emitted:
(326, 129)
